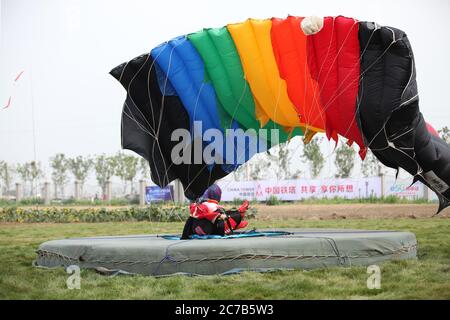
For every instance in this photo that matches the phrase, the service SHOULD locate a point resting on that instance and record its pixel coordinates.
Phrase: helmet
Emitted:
(213, 192)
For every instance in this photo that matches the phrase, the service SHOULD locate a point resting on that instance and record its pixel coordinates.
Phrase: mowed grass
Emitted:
(425, 278)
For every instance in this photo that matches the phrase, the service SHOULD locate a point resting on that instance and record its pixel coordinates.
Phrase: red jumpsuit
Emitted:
(205, 219)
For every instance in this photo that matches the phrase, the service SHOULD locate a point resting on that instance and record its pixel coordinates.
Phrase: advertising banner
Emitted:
(292, 190)
(155, 193)
(402, 188)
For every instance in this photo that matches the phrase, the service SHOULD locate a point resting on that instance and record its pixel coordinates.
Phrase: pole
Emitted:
(19, 192)
(142, 193)
(108, 191)
(426, 193)
(46, 193)
(77, 190)
(178, 192)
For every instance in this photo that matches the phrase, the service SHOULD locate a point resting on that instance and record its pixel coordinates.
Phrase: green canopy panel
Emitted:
(264, 250)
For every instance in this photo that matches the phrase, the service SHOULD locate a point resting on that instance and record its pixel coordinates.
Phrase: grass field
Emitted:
(425, 278)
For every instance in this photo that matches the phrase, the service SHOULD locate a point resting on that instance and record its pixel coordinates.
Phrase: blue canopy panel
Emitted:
(248, 234)
(181, 71)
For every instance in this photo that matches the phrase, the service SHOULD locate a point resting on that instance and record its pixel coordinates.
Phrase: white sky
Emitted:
(68, 47)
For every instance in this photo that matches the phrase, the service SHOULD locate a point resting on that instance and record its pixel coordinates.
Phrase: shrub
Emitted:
(273, 201)
(66, 215)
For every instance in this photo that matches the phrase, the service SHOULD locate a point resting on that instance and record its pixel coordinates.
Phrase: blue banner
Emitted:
(155, 193)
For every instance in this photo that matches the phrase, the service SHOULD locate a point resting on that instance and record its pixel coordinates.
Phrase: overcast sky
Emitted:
(67, 48)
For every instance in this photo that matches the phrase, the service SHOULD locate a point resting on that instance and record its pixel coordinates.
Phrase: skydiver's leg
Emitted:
(203, 227)
(235, 221)
(187, 230)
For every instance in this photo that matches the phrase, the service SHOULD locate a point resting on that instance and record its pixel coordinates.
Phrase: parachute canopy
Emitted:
(202, 104)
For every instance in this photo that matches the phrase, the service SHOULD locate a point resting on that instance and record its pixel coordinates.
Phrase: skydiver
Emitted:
(208, 217)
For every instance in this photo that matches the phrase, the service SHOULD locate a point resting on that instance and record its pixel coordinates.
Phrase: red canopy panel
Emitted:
(334, 61)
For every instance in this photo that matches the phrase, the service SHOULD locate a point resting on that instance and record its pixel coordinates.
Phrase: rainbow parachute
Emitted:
(295, 77)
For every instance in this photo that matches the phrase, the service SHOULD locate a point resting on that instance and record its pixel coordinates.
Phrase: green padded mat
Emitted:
(160, 255)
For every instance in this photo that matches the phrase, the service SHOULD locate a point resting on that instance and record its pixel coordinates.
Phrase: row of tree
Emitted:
(126, 167)
(279, 160)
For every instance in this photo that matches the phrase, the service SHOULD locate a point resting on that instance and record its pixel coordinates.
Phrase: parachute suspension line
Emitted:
(332, 65)
(359, 80)
(141, 126)
(276, 109)
(244, 89)
(328, 51)
(390, 144)
(197, 99)
(304, 96)
(409, 81)
(323, 63)
(362, 77)
(162, 107)
(197, 175)
(195, 110)
(419, 170)
(315, 98)
(363, 73)
(129, 91)
(327, 76)
(325, 107)
(166, 79)
(149, 93)
(393, 137)
(316, 102)
(358, 104)
(123, 71)
(165, 84)
(131, 117)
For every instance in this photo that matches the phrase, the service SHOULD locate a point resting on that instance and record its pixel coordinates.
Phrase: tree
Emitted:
(6, 174)
(23, 171)
(240, 174)
(104, 169)
(313, 155)
(80, 168)
(144, 168)
(281, 157)
(445, 134)
(371, 166)
(60, 177)
(344, 161)
(255, 169)
(126, 168)
(36, 173)
(258, 168)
